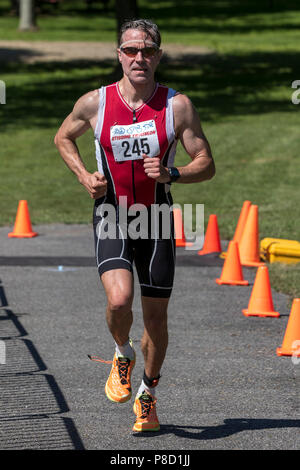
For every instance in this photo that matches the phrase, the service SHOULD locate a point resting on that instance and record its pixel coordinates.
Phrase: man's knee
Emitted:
(119, 302)
(118, 286)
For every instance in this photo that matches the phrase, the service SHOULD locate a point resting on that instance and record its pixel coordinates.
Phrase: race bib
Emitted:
(130, 142)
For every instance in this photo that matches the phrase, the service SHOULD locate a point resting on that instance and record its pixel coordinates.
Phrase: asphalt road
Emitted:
(222, 388)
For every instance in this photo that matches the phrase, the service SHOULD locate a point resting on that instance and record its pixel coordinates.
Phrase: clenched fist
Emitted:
(95, 184)
(154, 169)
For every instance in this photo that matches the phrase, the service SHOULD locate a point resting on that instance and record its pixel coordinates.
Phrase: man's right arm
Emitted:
(76, 124)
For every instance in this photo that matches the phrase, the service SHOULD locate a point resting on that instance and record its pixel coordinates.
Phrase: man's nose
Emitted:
(139, 55)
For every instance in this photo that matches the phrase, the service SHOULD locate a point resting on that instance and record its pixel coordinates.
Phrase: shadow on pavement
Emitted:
(31, 401)
(230, 427)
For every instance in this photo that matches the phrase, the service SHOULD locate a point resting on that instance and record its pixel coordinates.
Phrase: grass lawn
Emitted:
(225, 25)
(243, 95)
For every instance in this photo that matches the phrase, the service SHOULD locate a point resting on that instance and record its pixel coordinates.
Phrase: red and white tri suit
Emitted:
(122, 135)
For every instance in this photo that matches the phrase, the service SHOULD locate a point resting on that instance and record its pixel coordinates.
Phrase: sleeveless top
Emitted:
(123, 134)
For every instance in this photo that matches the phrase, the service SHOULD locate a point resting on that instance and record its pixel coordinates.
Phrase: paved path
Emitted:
(222, 386)
(63, 51)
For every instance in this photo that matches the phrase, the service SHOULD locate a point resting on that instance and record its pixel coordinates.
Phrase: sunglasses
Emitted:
(146, 51)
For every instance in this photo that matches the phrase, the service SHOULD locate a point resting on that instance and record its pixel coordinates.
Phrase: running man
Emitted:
(137, 124)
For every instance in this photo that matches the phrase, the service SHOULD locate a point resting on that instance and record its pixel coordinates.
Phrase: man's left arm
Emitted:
(188, 130)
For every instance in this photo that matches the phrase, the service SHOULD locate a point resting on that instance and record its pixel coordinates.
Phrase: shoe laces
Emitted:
(123, 365)
(147, 404)
(98, 359)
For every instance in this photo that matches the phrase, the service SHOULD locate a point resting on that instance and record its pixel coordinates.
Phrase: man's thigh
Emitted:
(155, 264)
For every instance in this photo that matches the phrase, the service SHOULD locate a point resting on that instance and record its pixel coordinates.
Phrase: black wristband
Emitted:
(173, 173)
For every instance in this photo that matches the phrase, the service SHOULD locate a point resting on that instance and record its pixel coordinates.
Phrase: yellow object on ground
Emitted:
(277, 250)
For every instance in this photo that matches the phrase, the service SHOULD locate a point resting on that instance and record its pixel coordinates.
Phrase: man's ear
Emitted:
(160, 53)
(119, 55)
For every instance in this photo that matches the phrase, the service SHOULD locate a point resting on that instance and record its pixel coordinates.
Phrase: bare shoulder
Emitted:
(86, 107)
(185, 114)
(182, 104)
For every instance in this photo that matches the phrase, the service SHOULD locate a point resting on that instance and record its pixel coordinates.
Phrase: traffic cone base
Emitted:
(183, 243)
(232, 271)
(248, 264)
(22, 235)
(247, 313)
(253, 264)
(287, 352)
(291, 341)
(234, 283)
(202, 252)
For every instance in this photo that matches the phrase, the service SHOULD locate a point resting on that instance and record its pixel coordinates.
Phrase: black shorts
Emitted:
(152, 253)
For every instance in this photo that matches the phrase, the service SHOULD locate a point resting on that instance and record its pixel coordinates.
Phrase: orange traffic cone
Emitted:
(261, 302)
(291, 340)
(240, 225)
(249, 243)
(22, 227)
(232, 270)
(179, 228)
(242, 221)
(212, 243)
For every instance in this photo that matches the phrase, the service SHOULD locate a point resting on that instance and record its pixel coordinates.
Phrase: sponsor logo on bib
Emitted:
(132, 141)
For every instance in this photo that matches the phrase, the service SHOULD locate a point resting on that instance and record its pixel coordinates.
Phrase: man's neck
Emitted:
(136, 95)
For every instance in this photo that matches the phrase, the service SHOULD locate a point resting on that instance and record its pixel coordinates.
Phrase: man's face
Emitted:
(138, 68)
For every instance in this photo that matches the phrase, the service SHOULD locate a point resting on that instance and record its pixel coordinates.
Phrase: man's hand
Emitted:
(95, 184)
(154, 169)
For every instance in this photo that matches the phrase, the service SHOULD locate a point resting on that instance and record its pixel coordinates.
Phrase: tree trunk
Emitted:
(27, 15)
(2, 94)
(125, 10)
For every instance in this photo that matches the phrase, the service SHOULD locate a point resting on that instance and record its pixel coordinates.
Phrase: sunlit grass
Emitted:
(242, 93)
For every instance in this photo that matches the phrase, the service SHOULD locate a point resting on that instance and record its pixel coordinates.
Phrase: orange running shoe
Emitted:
(118, 385)
(146, 417)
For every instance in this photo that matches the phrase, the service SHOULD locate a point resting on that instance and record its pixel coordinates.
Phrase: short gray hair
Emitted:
(144, 25)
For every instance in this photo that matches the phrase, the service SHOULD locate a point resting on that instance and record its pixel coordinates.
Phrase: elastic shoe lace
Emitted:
(147, 404)
(98, 359)
(123, 365)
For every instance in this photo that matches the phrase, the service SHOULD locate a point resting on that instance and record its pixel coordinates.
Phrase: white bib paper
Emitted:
(130, 142)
